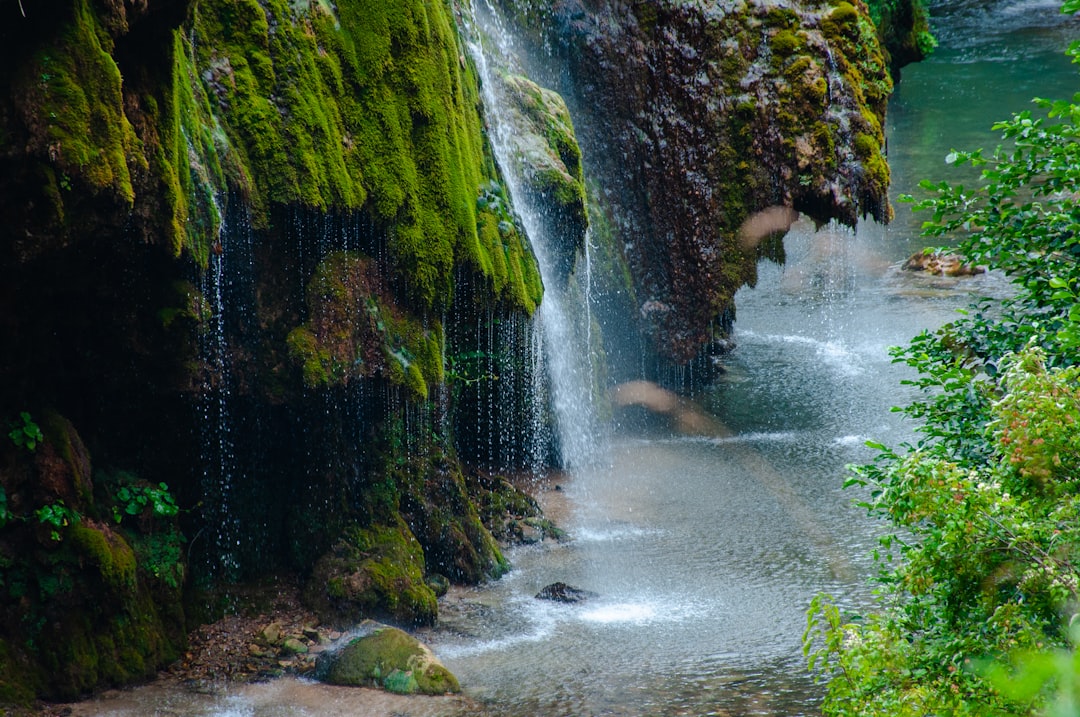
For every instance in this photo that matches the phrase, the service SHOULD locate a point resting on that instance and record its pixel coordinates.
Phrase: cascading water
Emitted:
(220, 466)
(565, 333)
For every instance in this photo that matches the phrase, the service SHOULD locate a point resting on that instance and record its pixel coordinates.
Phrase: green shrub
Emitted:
(982, 566)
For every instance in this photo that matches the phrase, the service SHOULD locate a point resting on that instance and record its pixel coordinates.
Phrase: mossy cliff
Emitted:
(233, 236)
(259, 252)
(904, 29)
(694, 116)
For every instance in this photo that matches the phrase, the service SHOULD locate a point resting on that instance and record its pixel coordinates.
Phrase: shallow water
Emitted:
(705, 549)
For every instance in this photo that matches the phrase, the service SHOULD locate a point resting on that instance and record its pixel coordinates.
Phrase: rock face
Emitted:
(233, 238)
(549, 158)
(694, 115)
(387, 658)
(904, 28)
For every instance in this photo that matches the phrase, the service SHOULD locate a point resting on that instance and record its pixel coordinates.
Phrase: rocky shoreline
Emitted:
(263, 655)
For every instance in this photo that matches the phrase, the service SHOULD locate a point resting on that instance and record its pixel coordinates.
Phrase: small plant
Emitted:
(25, 433)
(134, 499)
(58, 516)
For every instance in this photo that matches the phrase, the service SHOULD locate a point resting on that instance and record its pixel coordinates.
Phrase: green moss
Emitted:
(108, 554)
(74, 100)
(373, 109)
(393, 659)
(315, 362)
(377, 570)
(186, 156)
(19, 683)
(843, 20)
(781, 17)
(865, 146)
(786, 43)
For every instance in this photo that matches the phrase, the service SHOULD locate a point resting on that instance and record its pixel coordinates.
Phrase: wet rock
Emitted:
(389, 658)
(530, 533)
(372, 571)
(561, 592)
(941, 264)
(698, 114)
(271, 634)
(439, 584)
(293, 646)
(550, 159)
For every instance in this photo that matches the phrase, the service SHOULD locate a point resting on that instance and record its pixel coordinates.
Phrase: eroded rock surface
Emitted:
(694, 115)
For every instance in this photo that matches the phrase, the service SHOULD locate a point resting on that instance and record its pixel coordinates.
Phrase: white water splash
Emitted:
(564, 326)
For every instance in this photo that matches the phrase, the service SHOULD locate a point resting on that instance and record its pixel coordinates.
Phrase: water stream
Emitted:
(705, 547)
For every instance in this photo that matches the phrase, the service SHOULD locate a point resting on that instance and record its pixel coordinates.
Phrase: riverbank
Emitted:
(261, 654)
(247, 659)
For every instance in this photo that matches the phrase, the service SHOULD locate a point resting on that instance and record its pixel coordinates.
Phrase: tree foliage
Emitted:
(978, 581)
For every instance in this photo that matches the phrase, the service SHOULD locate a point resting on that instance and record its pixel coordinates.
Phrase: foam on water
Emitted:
(614, 533)
(846, 359)
(622, 612)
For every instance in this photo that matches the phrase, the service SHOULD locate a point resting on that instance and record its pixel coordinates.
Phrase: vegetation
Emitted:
(25, 433)
(979, 583)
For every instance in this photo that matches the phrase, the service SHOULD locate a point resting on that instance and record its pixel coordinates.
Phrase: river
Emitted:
(704, 548)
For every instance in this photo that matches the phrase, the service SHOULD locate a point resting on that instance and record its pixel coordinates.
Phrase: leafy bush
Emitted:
(981, 570)
(133, 499)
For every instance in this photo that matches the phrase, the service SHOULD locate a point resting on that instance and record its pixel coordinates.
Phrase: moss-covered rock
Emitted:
(389, 658)
(546, 150)
(71, 102)
(366, 107)
(436, 502)
(904, 29)
(355, 331)
(79, 607)
(376, 571)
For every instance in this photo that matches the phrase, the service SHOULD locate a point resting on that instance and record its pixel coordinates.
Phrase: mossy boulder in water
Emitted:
(389, 658)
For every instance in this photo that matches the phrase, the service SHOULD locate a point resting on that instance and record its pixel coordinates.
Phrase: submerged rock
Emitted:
(389, 658)
(561, 592)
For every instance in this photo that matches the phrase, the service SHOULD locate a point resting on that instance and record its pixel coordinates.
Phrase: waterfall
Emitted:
(228, 269)
(563, 323)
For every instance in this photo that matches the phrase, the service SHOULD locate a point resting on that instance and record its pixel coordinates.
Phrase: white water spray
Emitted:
(564, 327)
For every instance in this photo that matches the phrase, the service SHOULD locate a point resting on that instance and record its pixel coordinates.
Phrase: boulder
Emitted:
(561, 592)
(389, 658)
